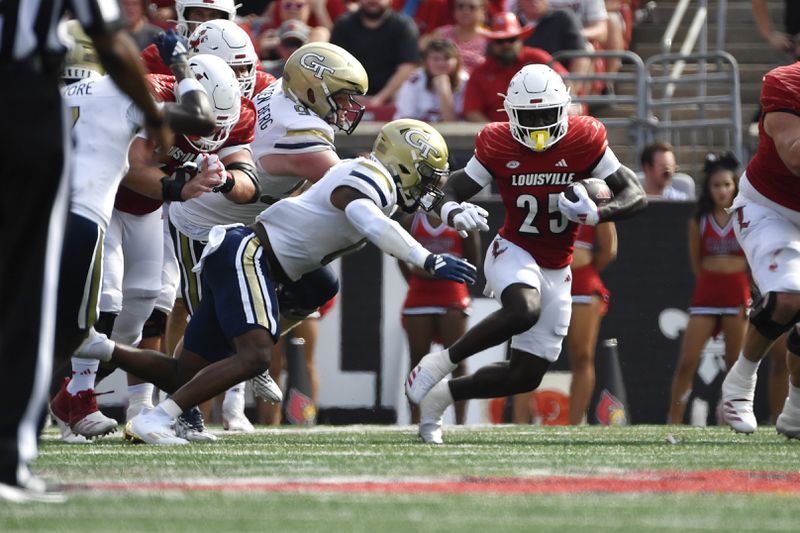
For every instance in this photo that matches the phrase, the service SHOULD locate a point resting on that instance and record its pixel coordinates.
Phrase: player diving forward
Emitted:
(105, 122)
(533, 158)
(230, 336)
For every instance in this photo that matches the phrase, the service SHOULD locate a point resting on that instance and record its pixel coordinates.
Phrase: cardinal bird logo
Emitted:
(610, 411)
(300, 409)
(496, 250)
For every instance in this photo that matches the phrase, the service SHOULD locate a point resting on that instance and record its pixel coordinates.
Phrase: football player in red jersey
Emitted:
(533, 158)
(767, 214)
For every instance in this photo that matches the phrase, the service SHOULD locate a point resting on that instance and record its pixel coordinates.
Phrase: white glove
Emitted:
(469, 217)
(582, 211)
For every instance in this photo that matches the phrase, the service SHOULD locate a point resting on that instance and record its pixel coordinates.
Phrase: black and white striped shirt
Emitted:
(28, 28)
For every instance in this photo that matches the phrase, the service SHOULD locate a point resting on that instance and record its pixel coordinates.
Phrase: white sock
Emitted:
(171, 408)
(84, 372)
(745, 368)
(794, 396)
(443, 361)
(140, 394)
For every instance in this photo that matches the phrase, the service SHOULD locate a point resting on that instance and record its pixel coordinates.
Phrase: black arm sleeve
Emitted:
(249, 171)
(629, 197)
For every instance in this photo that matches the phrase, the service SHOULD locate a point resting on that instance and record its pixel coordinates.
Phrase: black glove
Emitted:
(172, 47)
(447, 266)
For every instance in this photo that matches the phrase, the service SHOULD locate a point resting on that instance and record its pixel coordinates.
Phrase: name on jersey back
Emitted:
(262, 99)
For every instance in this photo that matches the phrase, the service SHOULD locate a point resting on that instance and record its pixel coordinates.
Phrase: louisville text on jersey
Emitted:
(543, 178)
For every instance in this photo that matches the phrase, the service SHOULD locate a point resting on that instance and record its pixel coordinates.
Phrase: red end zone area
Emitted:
(640, 481)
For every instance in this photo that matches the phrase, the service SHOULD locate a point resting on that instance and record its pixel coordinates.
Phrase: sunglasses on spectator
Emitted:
(471, 7)
(508, 40)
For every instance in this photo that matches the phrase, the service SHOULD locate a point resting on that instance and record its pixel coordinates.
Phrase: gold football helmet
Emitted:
(81, 60)
(324, 78)
(415, 154)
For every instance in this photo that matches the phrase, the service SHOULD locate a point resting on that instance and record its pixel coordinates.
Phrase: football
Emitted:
(596, 188)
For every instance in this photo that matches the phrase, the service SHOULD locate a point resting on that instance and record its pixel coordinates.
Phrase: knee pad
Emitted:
(302, 297)
(105, 322)
(761, 318)
(155, 325)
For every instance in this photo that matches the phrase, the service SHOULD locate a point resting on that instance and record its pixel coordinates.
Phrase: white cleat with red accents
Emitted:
(431, 369)
(737, 403)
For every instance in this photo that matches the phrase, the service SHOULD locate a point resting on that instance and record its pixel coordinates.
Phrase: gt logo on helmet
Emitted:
(419, 140)
(312, 61)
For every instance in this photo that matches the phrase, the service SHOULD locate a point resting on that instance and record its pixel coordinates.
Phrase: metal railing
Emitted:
(709, 97)
(635, 123)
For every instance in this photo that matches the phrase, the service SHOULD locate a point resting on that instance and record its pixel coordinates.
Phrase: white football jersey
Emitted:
(326, 232)
(195, 218)
(285, 127)
(104, 122)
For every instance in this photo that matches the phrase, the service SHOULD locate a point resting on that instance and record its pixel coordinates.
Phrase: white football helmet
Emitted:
(223, 91)
(536, 105)
(226, 8)
(225, 39)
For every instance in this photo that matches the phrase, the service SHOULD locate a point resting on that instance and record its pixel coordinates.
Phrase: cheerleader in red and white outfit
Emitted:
(595, 248)
(721, 295)
(436, 310)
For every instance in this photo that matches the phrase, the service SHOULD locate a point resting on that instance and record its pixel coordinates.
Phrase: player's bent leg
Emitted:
(775, 315)
(521, 306)
(788, 422)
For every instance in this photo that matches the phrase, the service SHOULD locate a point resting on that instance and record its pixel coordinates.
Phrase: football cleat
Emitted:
(264, 387)
(431, 413)
(432, 369)
(154, 426)
(86, 419)
(95, 346)
(737, 403)
(59, 410)
(135, 409)
(788, 423)
(190, 426)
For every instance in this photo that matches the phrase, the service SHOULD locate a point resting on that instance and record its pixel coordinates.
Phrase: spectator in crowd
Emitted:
(426, 14)
(721, 295)
(556, 30)
(312, 13)
(659, 166)
(592, 14)
(385, 42)
(505, 55)
(783, 41)
(617, 35)
(436, 311)
(467, 32)
(139, 26)
(435, 92)
(291, 35)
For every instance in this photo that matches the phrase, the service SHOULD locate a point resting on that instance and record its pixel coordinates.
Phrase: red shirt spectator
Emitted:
(505, 56)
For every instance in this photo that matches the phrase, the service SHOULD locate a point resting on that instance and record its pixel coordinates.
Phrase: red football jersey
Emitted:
(585, 237)
(181, 151)
(530, 182)
(766, 172)
(153, 62)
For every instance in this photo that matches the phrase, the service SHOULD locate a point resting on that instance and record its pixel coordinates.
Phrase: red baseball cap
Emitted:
(505, 25)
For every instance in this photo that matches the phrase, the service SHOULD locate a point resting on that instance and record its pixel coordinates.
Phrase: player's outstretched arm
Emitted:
(192, 113)
(629, 197)
(391, 238)
(455, 211)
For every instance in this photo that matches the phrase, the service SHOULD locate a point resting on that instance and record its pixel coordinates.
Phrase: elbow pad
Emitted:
(384, 232)
(250, 171)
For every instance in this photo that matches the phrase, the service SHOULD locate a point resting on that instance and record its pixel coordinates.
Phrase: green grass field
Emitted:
(381, 479)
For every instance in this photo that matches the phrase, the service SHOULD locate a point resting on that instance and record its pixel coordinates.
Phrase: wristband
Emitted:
(446, 209)
(171, 189)
(188, 84)
(226, 187)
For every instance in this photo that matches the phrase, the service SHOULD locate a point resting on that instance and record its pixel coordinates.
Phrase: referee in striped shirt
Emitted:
(34, 160)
